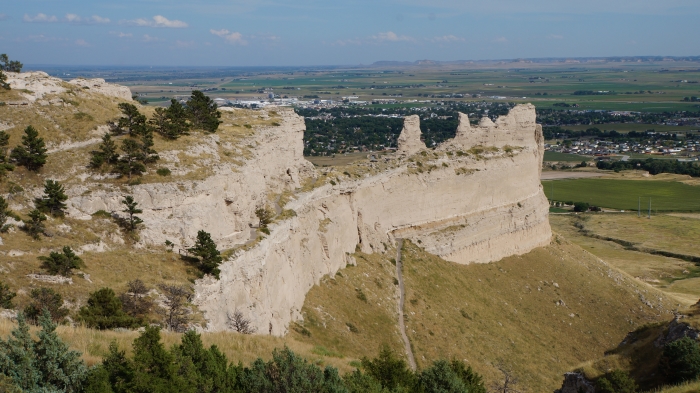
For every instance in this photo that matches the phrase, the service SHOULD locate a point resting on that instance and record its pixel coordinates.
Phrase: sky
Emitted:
(346, 32)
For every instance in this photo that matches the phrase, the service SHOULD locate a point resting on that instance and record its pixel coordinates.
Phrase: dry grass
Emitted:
(94, 344)
(505, 311)
(673, 276)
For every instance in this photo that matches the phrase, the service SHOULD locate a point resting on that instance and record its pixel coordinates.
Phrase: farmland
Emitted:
(625, 194)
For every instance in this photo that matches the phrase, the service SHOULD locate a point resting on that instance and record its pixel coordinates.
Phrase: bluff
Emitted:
(476, 198)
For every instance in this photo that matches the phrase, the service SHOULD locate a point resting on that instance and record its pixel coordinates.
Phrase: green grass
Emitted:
(623, 194)
(555, 156)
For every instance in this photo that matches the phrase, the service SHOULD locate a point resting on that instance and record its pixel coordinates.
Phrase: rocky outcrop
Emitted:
(576, 383)
(409, 142)
(474, 208)
(35, 85)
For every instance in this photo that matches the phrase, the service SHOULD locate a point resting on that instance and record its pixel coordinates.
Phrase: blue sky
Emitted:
(331, 32)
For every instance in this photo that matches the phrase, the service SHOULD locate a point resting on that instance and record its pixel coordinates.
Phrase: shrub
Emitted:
(104, 311)
(163, 172)
(616, 381)
(45, 299)
(34, 226)
(61, 263)
(681, 360)
(6, 296)
(53, 200)
(391, 371)
(135, 300)
(581, 207)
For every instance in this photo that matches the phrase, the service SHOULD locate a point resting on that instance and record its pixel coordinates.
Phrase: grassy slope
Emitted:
(501, 312)
(673, 276)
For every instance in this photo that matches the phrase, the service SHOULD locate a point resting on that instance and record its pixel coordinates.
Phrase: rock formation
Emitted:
(35, 85)
(476, 208)
(409, 142)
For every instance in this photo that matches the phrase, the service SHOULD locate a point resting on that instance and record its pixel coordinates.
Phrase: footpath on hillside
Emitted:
(402, 297)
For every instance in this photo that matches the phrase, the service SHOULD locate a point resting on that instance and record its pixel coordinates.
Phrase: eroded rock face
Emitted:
(409, 142)
(37, 84)
(476, 208)
(576, 383)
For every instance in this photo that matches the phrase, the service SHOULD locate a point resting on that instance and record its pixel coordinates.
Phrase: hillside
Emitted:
(539, 314)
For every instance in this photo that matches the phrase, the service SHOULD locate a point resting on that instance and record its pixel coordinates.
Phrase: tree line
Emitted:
(7, 65)
(653, 166)
(49, 365)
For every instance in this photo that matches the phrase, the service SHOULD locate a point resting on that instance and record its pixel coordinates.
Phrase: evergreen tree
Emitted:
(104, 311)
(209, 257)
(132, 121)
(211, 370)
(61, 263)
(17, 359)
(53, 200)
(148, 155)
(6, 296)
(3, 81)
(61, 369)
(107, 153)
(203, 112)
(132, 210)
(32, 152)
(5, 165)
(119, 369)
(155, 370)
(9, 66)
(45, 298)
(34, 226)
(391, 371)
(130, 162)
(5, 213)
(170, 122)
(616, 381)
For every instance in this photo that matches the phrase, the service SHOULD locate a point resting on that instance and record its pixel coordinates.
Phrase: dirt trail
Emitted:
(402, 298)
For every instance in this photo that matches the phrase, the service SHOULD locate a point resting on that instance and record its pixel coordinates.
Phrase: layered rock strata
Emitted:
(479, 200)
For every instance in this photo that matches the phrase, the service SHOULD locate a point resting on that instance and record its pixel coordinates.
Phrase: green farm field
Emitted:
(555, 156)
(666, 196)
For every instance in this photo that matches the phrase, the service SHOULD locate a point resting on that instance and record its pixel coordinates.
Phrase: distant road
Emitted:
(556, 175)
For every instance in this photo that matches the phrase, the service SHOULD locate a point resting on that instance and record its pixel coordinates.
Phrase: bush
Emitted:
(61, 263)
(681, 360)
(209, 257)
(34, 226)
(135, 300)
(6, 296)
(45, 299)
(616, 381)
(581, 207)
(163, 172)
(104, 311)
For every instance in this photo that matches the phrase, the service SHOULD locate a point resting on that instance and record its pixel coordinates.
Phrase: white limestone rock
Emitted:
(409, 142)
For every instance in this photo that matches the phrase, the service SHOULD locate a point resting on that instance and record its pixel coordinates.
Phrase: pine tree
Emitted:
(154, 367)
(104, 311)
(107, 153)
(132, 121)
(9, 66)
(130, 162)
(170, 122)
(132, 210)
(5, 213)
(17, 359)
(34, 226)
(3, 81)
(203, 112)
(5, 165)
(148, 155)
(159, 122)
(210, 257)
(53, 200)
(61, 263)
(45, 298)
(32, 152)
(61, 369)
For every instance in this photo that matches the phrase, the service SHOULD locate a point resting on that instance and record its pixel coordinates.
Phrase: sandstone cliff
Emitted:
(479, 200)
(35, 85)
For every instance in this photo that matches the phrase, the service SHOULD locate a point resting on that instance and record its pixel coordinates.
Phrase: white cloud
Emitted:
(234, 38)
(40, 18)
(123, 35)
(157, 21)
(148, 38)
(391, 37)
(448, 38)
(82, 42)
